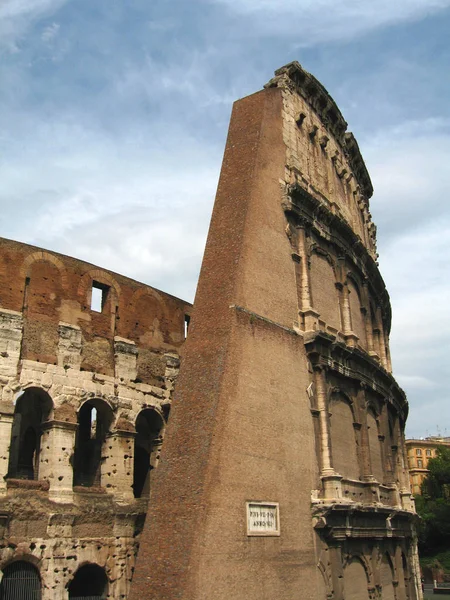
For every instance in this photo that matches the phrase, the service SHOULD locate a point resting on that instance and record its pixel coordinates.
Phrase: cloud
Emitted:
(16, 16)
(409, 168)
(50, 32)
(316, 21)
(125, 204)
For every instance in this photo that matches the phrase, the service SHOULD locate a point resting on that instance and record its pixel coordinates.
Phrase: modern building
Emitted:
(419, 452)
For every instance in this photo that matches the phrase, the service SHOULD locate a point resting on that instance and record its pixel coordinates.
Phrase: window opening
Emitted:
(94, 421)
(419, 463)
(99, 295)
(147, 445)
(90, 581)
(419, 452)
(428, 452)
(21, 581)
(32, 409)
(187, 320)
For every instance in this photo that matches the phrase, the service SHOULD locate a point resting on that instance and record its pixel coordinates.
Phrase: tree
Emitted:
(433, 506)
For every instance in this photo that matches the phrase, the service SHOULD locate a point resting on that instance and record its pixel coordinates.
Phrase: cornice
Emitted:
(324, 351)
(316, 216)
(294, 77)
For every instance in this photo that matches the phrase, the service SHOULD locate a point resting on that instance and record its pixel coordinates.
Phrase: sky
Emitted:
(114, 115)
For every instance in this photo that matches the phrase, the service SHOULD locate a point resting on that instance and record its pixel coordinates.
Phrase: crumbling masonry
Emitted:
(85, 396)
(285, 459)
(283, 471)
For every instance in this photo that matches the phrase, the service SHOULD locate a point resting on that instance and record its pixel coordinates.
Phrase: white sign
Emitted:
(263, 518)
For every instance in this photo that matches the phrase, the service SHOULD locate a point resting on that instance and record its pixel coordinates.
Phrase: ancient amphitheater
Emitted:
(283, 472)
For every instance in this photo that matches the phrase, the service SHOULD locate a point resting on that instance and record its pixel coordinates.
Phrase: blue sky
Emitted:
(114, 114)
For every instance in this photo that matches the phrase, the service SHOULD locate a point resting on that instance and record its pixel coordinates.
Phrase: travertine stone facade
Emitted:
(85, 393)
(286, 394)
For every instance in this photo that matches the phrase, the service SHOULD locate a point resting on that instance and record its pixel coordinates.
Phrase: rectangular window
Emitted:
(99, 294)
(187, 320)
(419, 452)
(419, 463)
(428, 452)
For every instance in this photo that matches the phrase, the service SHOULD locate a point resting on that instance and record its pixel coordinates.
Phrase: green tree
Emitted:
(433, 506)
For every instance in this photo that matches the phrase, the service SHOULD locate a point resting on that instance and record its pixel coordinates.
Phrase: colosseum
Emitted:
(89, 361)
(283, 471)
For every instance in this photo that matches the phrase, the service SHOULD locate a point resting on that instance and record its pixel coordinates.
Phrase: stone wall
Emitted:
(286, 397)
(85, 393)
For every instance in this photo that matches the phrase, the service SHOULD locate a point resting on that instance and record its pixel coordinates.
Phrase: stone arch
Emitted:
(47, 257)
(356, 579)
(149, 426)
(357, 308)
(21, 579)
(373, 431)
(103, 278)
(342, 433)
(89, 581)
(95, 418)
(33, 408)
(149, 324)
(324, 293)
(387, 577)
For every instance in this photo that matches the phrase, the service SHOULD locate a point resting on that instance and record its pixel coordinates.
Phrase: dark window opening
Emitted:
(147, 446)
(94, 421)
(33, 408)
(187, 320)
(21, 581)
(90, 581)
(99, 294)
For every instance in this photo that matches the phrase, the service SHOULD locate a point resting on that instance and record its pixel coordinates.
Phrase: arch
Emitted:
(386, 578)
(149, 435)
(21, 580)
(376, 458)
(343, 439)
(103, 277)
(42, 256)
(356, 580)
(33, 408)
(89, 581)
(94, 422)
(356, 308)
(325, 297)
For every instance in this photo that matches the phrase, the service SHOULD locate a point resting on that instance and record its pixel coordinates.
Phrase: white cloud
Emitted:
(50, 32)
(16, 16)
(122, 204)
(320, 20)
(409, 169)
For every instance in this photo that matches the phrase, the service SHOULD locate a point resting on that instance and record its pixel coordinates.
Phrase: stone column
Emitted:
(6, 421)
(57, 449)
(308, 314)
(117, 465)
(331, 480)
(382, 342)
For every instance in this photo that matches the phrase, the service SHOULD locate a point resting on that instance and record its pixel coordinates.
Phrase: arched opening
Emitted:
(89, 581)
(343, 439)
(358, 325)
(375, 447)
(325, 296)
(33, 408)
(386, 578)
(148, 440)
(94, 421)
(355, 581)
(21, 581)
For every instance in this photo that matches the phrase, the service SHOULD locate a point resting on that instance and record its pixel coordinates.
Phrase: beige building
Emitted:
(420, 451)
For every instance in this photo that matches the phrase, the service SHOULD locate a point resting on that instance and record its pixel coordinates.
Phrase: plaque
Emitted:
(263, 518)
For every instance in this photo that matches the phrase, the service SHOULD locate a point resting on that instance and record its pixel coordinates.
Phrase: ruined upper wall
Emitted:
(322, 157)
(53, 293)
